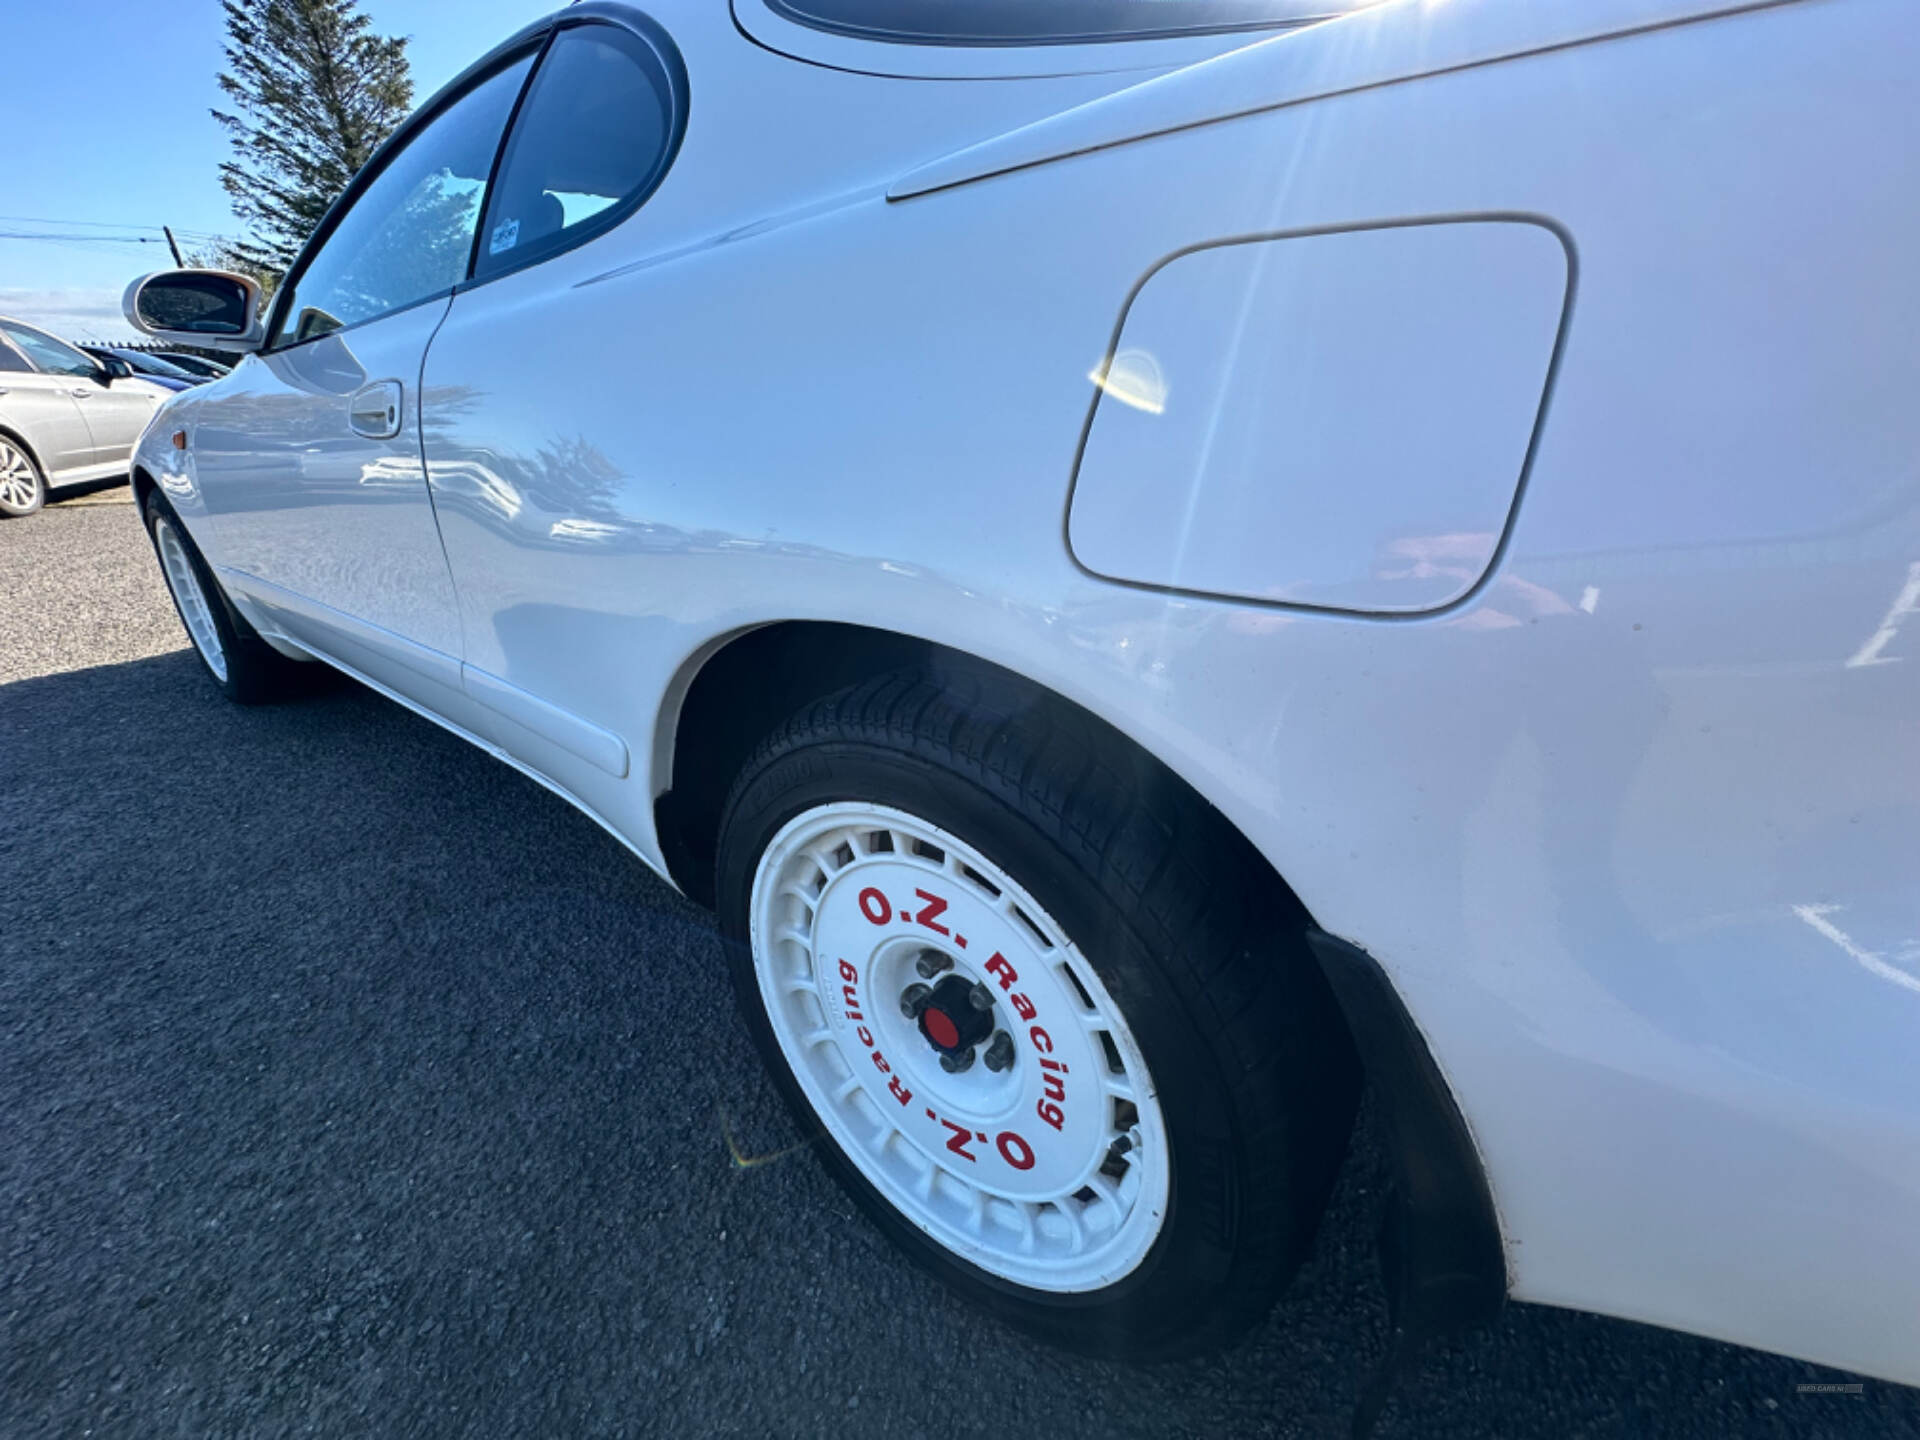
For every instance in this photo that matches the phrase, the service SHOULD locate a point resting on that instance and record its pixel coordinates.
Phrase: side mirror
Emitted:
(197, 307)
(113, 368)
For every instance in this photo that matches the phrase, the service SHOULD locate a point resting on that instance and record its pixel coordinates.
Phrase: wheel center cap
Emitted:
(950, 1019)
(938, 1027)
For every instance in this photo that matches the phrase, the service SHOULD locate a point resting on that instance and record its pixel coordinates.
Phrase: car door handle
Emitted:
(80, 392)
(374, 411)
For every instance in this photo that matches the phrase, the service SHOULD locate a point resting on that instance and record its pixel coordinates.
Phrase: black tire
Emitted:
(256, 673)
(1194, 938)
(13, 454)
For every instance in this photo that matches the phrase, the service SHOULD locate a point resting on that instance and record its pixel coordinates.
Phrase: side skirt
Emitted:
(494, 750)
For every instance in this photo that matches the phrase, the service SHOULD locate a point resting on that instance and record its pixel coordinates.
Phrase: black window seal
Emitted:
(528, 42)
(672, 67)
(533, 39)
(500, 155)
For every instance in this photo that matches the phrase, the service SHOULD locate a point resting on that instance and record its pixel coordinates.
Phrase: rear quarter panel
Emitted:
(1633, 829)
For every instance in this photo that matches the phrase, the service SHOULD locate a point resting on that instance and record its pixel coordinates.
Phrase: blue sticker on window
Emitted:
(505, 236)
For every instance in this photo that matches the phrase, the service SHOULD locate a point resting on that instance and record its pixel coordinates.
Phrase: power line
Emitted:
(83, 239)
(195, 239)
(104, 225)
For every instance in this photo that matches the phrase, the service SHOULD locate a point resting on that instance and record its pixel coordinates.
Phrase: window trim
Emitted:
(34, 367)
(500, 58)
(672, 69)
(26, 360)
(534, 39)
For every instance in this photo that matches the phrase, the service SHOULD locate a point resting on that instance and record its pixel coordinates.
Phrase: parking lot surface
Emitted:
(351, 1084)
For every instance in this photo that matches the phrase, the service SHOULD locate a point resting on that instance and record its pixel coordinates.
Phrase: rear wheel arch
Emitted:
(741, 687)
(733, 692)
(728, 696)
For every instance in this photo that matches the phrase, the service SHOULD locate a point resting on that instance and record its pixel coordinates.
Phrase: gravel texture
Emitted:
(351, 1084)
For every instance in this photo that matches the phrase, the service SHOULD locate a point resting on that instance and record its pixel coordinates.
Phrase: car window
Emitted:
(194, 363)
(147, 364)
(591, 142)
(409, 234)
(1049, 22)
(12, 359)
(54, 357)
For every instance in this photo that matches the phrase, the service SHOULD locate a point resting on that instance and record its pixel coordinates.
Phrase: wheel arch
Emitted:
(1444, 1259)
(726, 696)
(8, 432)
(739, 686)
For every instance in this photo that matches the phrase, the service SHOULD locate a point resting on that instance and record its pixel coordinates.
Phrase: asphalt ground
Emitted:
(351, 1084)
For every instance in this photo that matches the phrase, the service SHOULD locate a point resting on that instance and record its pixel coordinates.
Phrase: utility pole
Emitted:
(173, 245)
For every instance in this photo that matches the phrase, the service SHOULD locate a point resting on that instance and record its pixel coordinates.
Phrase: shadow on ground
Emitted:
(352, 1084)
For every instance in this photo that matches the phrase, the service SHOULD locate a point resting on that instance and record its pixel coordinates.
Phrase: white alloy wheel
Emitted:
(188, 595)
(19, 481)
(959, 1048)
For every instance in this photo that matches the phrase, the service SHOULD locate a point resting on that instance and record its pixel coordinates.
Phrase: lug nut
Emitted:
(999, 1054)
(954, 1064)
(931, 963)
(913, 1000)
(980, 996)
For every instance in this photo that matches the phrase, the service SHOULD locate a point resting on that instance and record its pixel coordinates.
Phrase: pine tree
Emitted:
(314, 92)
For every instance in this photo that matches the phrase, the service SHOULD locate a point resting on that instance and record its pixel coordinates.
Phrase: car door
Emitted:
(308, 459)
(531, 510)
(37, 384)
(117, 412)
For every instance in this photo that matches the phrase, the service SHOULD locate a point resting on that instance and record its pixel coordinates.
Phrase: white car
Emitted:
(65, 416)
(1147, 576)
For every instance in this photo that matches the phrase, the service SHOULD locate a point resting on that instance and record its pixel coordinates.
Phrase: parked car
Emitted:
(196, 363)
(1216, 565)
(193, 364)
(65, 416)
(148, 366)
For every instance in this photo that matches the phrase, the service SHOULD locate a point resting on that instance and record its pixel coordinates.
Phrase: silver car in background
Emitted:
(65, 417)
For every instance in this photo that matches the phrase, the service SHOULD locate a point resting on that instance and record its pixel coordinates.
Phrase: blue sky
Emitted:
(107, 122)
